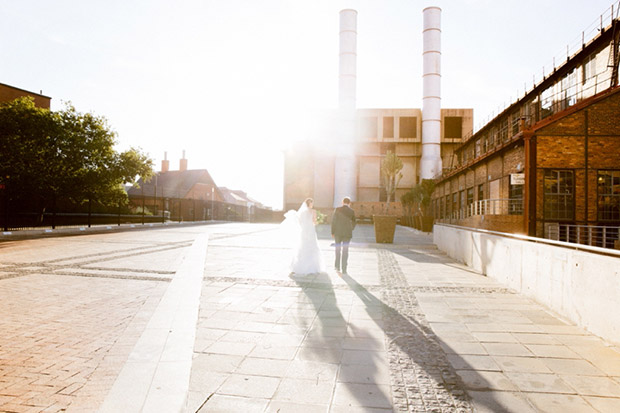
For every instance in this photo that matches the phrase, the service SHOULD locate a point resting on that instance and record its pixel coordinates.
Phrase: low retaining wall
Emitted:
(578, 282)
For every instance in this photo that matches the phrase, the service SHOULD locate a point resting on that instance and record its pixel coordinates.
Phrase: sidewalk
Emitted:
(407, 330)
(206, 318)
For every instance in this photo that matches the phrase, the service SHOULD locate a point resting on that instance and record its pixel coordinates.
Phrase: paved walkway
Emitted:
(407, 330)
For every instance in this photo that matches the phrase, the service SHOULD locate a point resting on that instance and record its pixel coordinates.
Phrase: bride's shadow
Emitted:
(327, 341)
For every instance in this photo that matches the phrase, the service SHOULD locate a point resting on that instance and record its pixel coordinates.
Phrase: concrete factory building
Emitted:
(344, 157)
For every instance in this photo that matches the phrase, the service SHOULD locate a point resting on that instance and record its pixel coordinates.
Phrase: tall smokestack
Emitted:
(347, 77)
(165, 164)
(345, 172)
(431, 90)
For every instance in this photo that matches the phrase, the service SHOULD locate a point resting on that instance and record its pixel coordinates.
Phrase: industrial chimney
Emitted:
(165, 164)
(431, 94)
(347, 76)
(345, 179)
(183, 163)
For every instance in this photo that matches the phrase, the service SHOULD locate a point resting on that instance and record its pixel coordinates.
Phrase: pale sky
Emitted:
(227, 80)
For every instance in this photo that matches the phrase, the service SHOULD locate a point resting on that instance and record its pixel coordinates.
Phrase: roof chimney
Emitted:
(183, 163)
(165, 164)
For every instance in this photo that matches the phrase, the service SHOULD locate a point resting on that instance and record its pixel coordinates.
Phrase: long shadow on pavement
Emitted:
(423, 348)
(326, 341)
(430, 380)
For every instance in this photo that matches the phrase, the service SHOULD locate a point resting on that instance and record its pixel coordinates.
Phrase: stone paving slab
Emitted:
(63, 336)
(69, 322)
(407, 330)
(158, 367)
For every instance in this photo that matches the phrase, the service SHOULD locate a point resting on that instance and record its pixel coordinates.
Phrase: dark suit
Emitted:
(343, 223)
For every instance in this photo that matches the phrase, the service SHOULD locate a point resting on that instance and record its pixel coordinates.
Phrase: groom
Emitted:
(343, 223)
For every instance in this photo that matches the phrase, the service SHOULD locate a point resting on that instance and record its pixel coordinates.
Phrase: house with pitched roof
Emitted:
(186, 193)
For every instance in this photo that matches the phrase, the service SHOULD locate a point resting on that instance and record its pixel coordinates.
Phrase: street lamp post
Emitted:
(155, 204)
(212, 202)
(142, 202)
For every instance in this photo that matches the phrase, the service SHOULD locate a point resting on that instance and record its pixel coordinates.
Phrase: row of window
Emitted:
(407, 126)
(557, 97)
(558, 196)
(500, 133)
(444, 207)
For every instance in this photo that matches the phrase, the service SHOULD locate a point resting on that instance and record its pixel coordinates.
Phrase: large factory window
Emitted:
(408, 127)
(384, 148)
(470, 196)
(569, 89)
(589, 68)
(453, 127)
(609, 195)
(455, 202)
(546, 102)
(388, 127)
(515, 201)
(559, 189)
(442, 208)
(368, 127)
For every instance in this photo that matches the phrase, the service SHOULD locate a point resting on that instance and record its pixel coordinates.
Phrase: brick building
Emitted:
(9, 93)
(548, 165)
(177, 192)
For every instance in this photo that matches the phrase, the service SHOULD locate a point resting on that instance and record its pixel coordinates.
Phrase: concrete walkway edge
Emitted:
(157, 373)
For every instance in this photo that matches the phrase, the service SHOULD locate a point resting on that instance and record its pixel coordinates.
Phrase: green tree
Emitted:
(391, 165)
(419, 196)
(64, 153)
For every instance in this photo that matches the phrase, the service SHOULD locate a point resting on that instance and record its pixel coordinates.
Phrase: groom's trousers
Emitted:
(342, 252)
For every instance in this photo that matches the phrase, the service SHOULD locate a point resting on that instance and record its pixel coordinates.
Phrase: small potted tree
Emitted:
(408, 202)
(385, 224)
(421, 197)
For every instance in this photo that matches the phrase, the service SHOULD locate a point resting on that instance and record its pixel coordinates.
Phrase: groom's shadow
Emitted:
(420, 344)
(327, 340)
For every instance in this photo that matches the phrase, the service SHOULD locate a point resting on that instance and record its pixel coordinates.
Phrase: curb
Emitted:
(99, 229)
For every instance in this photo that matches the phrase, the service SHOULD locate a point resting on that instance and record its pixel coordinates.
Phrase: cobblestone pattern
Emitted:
(81, 266)
(422, 378)
(370, 288)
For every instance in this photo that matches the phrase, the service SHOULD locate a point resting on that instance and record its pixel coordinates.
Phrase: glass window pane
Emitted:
(558, 194)
(608, 195)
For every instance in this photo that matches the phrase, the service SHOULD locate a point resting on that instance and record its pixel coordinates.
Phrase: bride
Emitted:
(300, 224)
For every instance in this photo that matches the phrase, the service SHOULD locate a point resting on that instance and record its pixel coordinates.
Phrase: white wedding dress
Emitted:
(307, 258)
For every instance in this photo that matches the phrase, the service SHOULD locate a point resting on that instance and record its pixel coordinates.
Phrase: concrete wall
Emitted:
(582, 285)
